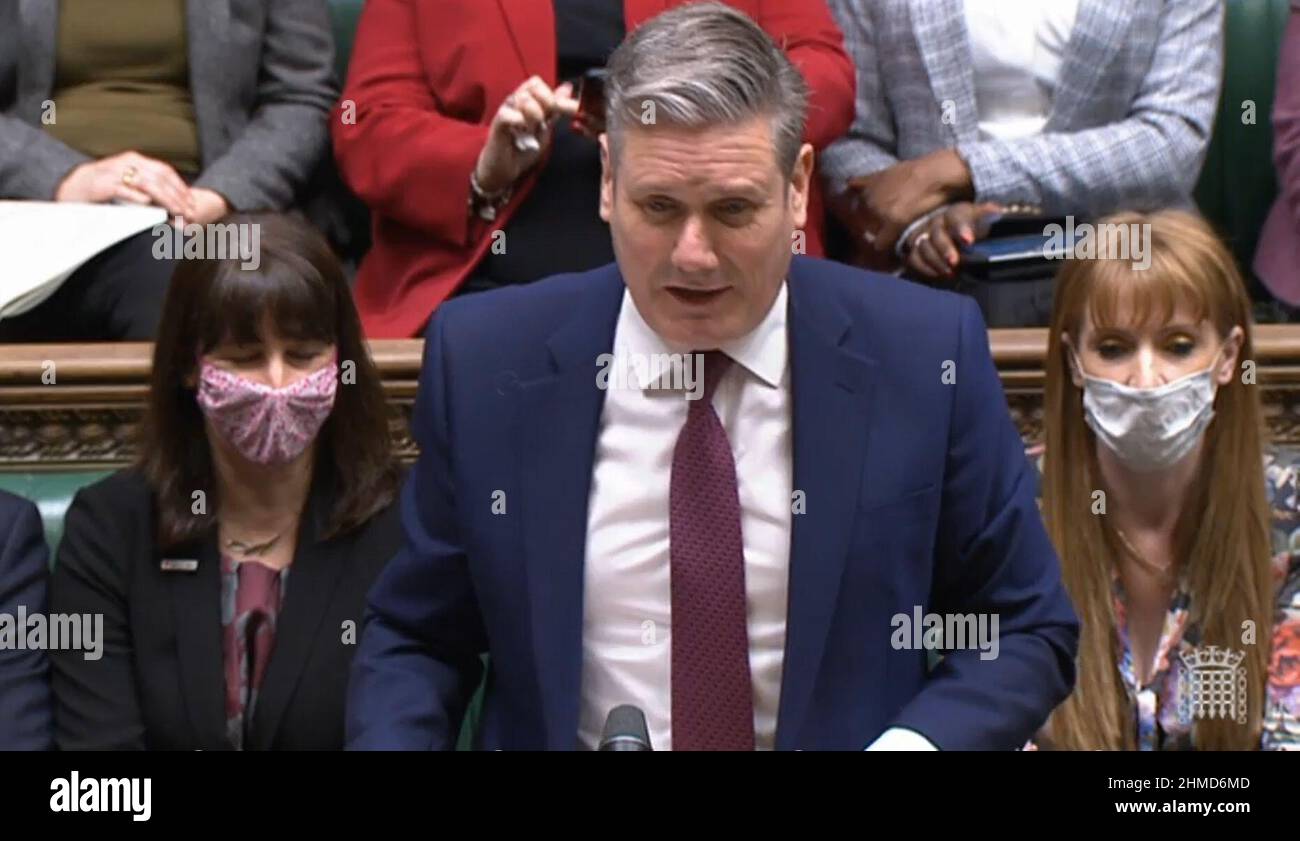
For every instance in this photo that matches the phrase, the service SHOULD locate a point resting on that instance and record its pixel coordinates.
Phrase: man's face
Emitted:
(702, 223)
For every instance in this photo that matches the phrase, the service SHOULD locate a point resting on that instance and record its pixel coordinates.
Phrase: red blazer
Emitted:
(426, 77)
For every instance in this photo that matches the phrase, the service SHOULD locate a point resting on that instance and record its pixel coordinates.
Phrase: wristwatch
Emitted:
(483, 204)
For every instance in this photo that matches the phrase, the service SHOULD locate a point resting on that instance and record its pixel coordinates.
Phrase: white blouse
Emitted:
(1017, 48)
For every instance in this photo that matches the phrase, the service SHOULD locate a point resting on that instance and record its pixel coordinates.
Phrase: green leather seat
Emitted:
(52, 493)
(345, 14)
(1239, 182)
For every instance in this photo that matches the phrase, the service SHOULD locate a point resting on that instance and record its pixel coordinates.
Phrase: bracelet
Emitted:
(485, 204)
(900, 247)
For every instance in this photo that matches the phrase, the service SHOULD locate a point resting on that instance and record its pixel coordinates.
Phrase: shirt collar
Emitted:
(763, 351)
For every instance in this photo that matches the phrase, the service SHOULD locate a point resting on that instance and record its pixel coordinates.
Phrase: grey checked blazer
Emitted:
(262, 81)
(1130, 121)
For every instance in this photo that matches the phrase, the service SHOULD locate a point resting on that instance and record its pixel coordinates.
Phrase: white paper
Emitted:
(43, 243)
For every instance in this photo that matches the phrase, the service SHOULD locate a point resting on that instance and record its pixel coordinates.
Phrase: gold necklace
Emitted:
(252, 549)
(1154, 569)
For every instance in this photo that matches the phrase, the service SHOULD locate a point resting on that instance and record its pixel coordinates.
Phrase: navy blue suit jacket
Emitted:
(26, 719)
(917, 492)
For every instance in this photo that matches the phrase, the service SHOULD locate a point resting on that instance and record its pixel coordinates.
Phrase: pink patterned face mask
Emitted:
(267, 425)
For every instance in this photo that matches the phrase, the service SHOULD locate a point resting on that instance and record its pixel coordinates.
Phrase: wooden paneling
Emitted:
(76, 406)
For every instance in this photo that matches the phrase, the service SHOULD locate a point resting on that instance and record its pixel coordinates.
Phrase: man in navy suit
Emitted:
(25, 719)
(741, 491)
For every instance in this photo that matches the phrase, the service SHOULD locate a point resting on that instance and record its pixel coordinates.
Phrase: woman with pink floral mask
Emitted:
(231, 563)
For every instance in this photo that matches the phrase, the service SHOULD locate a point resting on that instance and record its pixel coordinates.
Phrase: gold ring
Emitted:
(128, 177)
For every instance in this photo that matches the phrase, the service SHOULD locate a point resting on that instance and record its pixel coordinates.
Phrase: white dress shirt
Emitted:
(627, 617)
(1017, 48)
(627, 602)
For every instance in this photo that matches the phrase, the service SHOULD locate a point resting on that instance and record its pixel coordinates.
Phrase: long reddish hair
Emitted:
(1223, 535)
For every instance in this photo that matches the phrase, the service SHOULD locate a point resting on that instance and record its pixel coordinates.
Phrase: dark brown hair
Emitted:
(301, 287)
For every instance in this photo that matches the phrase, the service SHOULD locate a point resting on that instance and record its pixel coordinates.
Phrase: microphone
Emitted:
(625, 729)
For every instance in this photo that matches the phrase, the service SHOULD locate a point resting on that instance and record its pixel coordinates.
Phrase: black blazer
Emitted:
(159, 684)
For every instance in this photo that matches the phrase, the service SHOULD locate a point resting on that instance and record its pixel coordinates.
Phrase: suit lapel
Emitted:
(941, 36)
(1093, 43)
(38, 45)
(531, 27)
(313, 577)
(206, 25)
(196, 608)
(833, 404)
(555, 424)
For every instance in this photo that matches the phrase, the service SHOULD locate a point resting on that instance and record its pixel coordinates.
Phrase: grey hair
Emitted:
(700, 65)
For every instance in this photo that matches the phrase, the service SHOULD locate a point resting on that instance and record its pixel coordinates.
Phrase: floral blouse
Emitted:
(1191, 681)
(251, 598)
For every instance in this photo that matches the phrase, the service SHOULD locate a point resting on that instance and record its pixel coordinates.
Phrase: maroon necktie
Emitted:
(713, 701)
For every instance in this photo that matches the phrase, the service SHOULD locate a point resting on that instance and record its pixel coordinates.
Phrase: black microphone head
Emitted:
(625, 729)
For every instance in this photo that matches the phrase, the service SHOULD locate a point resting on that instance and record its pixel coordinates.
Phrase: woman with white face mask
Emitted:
(231, 563)
(1174, 527)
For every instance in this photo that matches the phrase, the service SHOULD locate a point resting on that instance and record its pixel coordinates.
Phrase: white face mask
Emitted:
(1150, 429)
